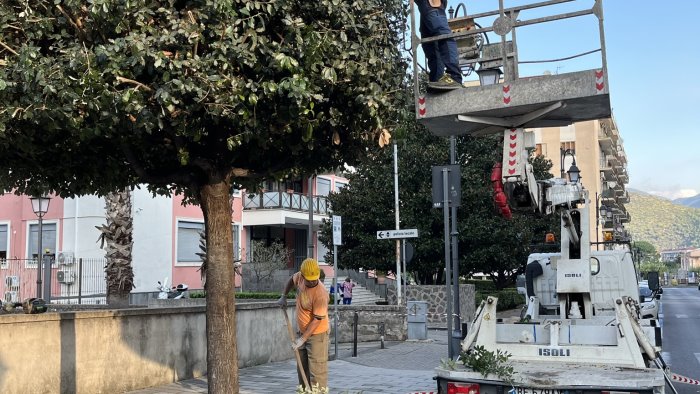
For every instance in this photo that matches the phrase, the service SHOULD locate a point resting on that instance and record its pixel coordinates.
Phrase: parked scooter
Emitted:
(29, 306)
(174, 293)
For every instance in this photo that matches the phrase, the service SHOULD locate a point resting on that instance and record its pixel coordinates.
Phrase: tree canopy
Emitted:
(487, 242)
(192, 96)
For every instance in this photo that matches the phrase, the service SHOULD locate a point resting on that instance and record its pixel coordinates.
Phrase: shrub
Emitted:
(507, 298)
(248, 295)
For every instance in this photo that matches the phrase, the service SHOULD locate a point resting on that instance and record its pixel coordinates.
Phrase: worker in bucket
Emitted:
(312, 320)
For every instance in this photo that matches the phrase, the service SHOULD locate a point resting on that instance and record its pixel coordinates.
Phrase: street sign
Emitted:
(398, 234)
(337, 230)
(409, 252)
(454, 186)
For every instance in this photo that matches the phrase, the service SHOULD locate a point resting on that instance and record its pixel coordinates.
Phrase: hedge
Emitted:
(248, 295)
(507, 298)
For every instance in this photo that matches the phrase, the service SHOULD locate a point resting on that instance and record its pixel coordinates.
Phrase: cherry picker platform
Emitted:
(509, 101)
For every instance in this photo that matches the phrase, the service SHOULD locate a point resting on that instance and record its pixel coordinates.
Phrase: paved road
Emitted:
(680, 317)
(400, 368)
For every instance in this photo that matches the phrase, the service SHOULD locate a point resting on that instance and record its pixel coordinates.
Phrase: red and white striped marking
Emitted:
(599, 82)
(512, 151)
(421, 107)
(506, 94)
(683, 379)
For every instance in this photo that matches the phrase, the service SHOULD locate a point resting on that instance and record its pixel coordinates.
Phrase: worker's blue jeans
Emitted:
(441, 55)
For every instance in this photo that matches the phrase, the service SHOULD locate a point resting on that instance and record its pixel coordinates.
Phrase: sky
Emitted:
(653, 56)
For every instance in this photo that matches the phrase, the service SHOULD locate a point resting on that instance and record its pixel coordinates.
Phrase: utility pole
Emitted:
(457, 326)
(399, 300)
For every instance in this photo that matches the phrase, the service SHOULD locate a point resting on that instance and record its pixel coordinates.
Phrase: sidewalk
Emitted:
(400, 368)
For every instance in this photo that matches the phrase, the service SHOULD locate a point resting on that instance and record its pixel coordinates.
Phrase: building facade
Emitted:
(166, 233)
(599, 152)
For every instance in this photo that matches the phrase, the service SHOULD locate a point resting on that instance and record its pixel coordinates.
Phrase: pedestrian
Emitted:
(335, 293)
(312, 320)
(442, 55)
(347, 291)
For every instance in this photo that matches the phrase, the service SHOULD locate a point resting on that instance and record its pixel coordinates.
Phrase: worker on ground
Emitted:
(443, 62)
(312, 320)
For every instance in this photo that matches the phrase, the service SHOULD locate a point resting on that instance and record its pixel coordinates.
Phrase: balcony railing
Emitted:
(285, 200)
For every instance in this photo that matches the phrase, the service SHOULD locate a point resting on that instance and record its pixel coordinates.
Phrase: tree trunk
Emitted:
(117, 234)
(222, 353)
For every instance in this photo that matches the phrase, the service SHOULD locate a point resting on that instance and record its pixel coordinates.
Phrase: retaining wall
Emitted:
(437, 302)
(114, 351)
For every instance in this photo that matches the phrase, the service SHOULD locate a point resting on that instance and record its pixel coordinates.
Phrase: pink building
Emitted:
(166, 233)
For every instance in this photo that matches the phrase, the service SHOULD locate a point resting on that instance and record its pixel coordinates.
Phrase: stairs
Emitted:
(360, 295)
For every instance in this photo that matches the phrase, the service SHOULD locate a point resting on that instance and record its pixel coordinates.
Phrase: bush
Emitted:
(482, 285)
(507, 298)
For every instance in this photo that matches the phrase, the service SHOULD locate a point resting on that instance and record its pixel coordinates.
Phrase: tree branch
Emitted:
(132, 82)
(8, 48)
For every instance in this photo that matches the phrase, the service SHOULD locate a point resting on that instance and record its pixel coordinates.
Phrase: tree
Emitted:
(265, 259)
(192, 97)
(487, 242)
(646, 252)
(117, 234)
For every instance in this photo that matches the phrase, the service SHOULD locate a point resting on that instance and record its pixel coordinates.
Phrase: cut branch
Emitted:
(8, 48)
(132, 82)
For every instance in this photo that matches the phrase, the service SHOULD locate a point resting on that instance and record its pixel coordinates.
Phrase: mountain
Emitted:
(662, 222)
(693, 202)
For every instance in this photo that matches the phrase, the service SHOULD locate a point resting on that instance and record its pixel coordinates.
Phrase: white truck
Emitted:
(583, 331)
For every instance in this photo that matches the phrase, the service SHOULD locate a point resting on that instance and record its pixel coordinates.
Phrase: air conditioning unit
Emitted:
(65, 277)
(65, 257)
(11, 296)
(12, 282)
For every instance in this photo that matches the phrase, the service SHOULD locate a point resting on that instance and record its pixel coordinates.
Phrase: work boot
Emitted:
(444, 83)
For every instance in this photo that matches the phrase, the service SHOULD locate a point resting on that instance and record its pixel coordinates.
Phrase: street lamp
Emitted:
(574, 173)
(489, 76)
(40, 205)
(564, 153)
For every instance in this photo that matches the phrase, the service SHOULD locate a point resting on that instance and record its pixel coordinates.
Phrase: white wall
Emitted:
(89, 212)
(153, 238)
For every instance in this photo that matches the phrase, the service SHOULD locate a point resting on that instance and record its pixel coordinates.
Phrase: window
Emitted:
(188, 236)
(339, 185)
(3, 241)
(323, 186)
(236, 242)
(322, 251)
(571, 145)
(48, 239)
(541, 149)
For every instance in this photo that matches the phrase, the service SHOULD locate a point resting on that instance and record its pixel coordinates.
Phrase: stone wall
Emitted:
(437, 303)
(370, 320)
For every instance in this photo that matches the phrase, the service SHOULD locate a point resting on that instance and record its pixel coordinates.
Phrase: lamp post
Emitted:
(564, 153)
(40, 205)
(489, 76)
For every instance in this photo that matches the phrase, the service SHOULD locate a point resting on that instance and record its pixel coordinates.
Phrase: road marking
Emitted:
(681, 316)
(697, 355)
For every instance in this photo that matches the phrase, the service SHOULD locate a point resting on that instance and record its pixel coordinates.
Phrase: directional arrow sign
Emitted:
(398, 234)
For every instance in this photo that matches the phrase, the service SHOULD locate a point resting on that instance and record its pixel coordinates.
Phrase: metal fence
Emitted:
(73, 280)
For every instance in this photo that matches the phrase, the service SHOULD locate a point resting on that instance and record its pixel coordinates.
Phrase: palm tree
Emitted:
(117, 234)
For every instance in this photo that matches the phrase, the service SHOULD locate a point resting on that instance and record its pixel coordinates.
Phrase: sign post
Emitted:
(337, 240)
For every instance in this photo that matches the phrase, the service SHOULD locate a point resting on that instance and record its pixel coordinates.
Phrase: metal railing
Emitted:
(363, 279)
(74, 281)
(285, 200)
(503, 54)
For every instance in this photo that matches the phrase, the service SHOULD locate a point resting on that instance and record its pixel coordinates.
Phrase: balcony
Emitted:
(285, 200)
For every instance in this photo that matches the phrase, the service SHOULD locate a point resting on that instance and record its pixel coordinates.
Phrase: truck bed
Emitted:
(564, 376)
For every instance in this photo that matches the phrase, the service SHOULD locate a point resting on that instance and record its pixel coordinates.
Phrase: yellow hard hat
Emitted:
(309, 269)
